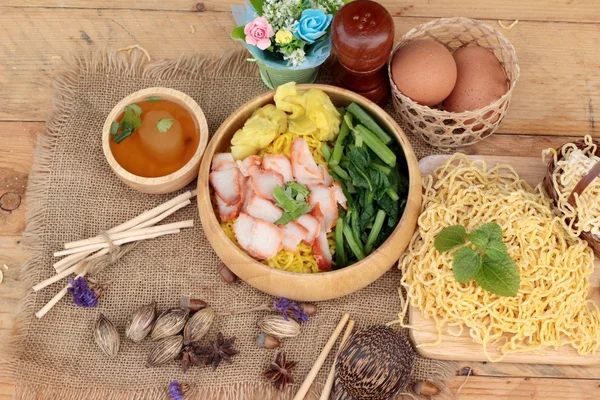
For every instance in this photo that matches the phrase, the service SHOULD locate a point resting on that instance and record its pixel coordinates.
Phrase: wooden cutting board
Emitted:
(463, 348)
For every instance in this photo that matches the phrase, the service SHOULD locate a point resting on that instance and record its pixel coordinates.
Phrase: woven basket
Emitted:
(448, 130)
(592, 239)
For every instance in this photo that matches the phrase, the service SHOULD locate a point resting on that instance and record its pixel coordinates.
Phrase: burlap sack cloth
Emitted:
(73, 194)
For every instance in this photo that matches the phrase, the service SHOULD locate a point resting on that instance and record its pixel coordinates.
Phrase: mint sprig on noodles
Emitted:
(489, 263)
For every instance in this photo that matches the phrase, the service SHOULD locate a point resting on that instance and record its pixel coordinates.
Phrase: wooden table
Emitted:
(556, 99)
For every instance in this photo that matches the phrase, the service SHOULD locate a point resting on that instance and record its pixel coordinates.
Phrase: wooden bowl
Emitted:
(318, 286)
(176, 180)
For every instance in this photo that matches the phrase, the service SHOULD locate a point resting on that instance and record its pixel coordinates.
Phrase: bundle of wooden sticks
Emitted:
(82, 253)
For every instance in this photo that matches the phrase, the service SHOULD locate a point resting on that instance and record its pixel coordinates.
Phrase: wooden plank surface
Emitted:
(557, 94)
(543, 10)
(554, 102)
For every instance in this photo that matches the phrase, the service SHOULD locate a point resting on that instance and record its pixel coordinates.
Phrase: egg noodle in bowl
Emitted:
(551, 308)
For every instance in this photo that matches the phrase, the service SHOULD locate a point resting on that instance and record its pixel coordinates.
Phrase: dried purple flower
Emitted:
(83, 296)
(289, 308)
(175, 392)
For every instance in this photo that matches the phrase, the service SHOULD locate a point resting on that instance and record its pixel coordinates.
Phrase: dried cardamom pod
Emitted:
(141, 322)
(169, 323)
(164, 351)
(198, 325)
(279, 327)
(106, 336)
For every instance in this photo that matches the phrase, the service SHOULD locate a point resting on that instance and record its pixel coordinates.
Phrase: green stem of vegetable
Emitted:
(358, 140)
(340, 253)
(369, 122)
(382, 168)
(350, 187)
(326, 152)
(340, 172)
(356, 249)
(392, 193)
(345, 163)
(355, 230)
(338, 148)
(341, 110)
(349, 121)
(375, 144)
(375, 231)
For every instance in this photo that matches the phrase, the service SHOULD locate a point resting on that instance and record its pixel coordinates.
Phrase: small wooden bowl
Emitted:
(176, 180)
(589, 237)
(318, 286)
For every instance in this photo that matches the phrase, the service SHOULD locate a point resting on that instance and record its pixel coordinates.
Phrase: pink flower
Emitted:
(258, 33)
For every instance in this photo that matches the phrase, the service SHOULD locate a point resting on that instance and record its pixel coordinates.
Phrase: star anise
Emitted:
(219, 350)
(189, 356)
(279, 371)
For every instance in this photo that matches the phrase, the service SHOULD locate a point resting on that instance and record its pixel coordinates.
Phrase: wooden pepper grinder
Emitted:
(362, 38)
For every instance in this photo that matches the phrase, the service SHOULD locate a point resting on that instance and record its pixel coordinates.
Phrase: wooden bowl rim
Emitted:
(172, 95)
(414, 182)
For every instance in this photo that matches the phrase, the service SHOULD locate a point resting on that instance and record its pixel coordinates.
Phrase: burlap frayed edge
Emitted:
(242, 391)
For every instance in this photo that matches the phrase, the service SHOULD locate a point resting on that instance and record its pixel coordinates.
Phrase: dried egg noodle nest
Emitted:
(304, 260)
(551, 308)
(576, 163)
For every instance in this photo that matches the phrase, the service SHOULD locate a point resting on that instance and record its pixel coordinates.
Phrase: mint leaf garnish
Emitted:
(496, 250)
(492, 230)
(450, 237)
(164, 124)
(292, 199)
(490, 265)
(466, 264)
(499, 277)
(479, 238)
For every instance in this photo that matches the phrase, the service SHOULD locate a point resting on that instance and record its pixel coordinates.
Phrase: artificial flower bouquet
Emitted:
(289, 39)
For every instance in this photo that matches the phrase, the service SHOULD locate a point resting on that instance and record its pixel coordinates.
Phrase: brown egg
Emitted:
(481, 80)
(425, 71)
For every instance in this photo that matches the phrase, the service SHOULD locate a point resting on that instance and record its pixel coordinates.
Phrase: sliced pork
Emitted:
(266, 240)
(293, 234)
(226, 184)
(280, 164)
(264, 181)
(263, 209)
(312, 225)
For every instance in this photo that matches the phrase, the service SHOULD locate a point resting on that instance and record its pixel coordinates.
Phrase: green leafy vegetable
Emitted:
(490, 265)
(153, 98)
(292, 199)
(340, 251)
(164, 124)
(130, 122)
(369, 122)
(375, 144)
(450, 237)
(114, 128)
(499, 277)
(466, 264)
(258, 6)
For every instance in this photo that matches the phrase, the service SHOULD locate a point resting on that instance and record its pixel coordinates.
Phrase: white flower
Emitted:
(296, 57)
(329, 6)
(282, 14)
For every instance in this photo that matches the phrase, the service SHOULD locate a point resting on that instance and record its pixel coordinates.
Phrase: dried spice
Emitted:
(141, 322)
(106, 336)
(169, 323)
(278, 326)
(198, 325)
(190, 356)
(226, 275)
(267, 342)
(193, 305)
(279, 372)
(164, 351)
(219, 350)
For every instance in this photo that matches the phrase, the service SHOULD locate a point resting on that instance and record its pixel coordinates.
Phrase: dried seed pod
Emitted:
(169, 323)
(198, 325)
(164, 351)
(267, 342)
(141, 322)
(425, 388)
(106, 336)
(276, 325)
(226, 274)
(193, 305)
(308, 308)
